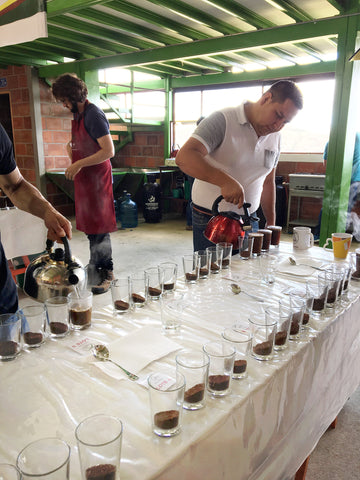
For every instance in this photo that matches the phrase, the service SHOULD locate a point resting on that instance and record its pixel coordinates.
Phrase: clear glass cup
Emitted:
(47, 458)
(240, 339)
(9, 472)
(170, 276)
(245, 247)
(319, 292)
(268, 267)
(194, 365)
(58, 316)
(298, 308)
(99, 441)
(138, 289)
(258, 241)
(171, 315)
(33, 325)
(275, 234)
(221, 366)
(10, 336)
(216, 256)
(121, 295)
(80, 309)
(154, 279)
(265, 247)
(263, 336)
(333, 280)
(283, 322)
(204, 264)
(166, 392)
(227, 249)
(191, 267)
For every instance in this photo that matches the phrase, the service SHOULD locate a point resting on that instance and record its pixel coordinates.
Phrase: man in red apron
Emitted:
(90, 150)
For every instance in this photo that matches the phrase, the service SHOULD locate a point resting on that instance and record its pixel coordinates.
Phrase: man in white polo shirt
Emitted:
(234, 153)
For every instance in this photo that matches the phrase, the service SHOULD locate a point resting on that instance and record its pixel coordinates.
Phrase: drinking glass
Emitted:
(194, 365)
(240, 339)
(121, 295)
(99, 440)
(221, 366)
(138, 289)
(58, 316)
(154, 279)
(10, 336)
(245, 247)
(33, 325)
(47, 458)
(283, 322)
(204, 263)
(80, 309)
(216, 256)
(263, 332)
(170, 276)
(191, 264)
(227, 249)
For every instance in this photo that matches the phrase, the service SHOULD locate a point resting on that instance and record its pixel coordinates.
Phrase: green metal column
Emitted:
(345, 123)
(91, 78)
(168, 118)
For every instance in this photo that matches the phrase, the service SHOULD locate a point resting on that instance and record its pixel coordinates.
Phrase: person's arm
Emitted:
(268, 198)
(191, 159)
(106, 151)
(28, 198)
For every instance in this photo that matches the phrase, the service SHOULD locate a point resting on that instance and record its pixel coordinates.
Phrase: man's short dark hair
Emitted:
(285, 89)
(69, 87)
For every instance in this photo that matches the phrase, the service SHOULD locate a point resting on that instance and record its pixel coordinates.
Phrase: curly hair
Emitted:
(69, 87)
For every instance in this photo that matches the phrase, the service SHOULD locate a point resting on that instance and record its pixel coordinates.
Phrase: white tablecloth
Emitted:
(21, 233)
(263, 430)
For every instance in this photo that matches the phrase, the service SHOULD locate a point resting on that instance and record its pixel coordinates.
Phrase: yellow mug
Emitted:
(341, 244)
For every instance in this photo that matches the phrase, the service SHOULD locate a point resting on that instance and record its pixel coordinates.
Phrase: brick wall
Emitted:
(146, 150)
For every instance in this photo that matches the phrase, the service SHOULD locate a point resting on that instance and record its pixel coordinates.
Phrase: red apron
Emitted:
(94, 199)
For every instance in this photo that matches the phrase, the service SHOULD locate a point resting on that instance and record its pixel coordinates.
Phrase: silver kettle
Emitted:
(54, 273)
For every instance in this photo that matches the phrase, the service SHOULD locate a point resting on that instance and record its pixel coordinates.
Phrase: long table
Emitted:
(263, 430)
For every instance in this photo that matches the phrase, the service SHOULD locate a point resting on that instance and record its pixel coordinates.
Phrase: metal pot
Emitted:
(54, 273)
(228, 226)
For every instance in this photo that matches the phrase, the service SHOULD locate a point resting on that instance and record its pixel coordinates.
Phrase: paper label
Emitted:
(162, 382)
(83, 346)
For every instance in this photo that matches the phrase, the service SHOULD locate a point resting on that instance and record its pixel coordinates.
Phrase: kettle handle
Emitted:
(67, 250)
(215, 206)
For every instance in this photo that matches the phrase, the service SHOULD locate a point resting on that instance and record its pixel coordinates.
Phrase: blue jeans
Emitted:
(200, 221)
(100, 251)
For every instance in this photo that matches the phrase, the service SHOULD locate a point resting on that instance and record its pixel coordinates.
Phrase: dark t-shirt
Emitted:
(7, 161)
(8, 293)
(95, 122)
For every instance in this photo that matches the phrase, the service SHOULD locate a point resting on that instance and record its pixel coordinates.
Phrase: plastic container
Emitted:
(128, 213)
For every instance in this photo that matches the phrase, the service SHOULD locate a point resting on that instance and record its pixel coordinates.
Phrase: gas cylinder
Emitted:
(152, 201)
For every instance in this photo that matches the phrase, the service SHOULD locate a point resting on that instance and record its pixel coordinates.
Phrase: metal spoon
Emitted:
(293, 261)
(102, 353)
(237, 289)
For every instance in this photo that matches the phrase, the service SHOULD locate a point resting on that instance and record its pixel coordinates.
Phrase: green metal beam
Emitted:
(342, 135)
(147, 15)
(269, 74)
(59, 7)
(213, 46)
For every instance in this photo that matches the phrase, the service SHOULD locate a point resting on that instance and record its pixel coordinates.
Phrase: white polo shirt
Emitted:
(241, 153)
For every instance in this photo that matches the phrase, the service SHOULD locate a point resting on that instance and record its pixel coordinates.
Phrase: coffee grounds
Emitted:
(280, 338)
(294, 328)
(154, 292)
(319, 304)
(240, 366)
(195, 394)
(332, 295)
(138, 298)
(204, 272)
(245, 254)
(356, 274)
(57, 328)
(167, 419)
(225, 262)
(169, 286)
(7, 348)
(33, 338)
(214, 267)
(264, 348)
(121, 305)
(306, 318)
(219, 382)
(190, 277)
(105, 471)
